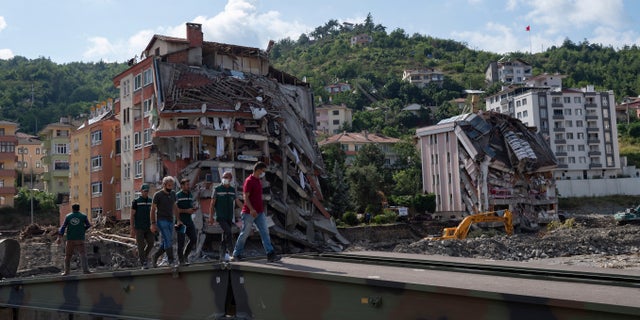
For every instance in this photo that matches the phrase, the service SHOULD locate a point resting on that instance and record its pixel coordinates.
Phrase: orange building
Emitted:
(8, 161)
(92, 182)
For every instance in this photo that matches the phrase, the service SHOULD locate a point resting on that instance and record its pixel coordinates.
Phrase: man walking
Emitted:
(253, 212)
(141, 225)
(163, 211)
(185, 226)
(223, 202)
(75, 224)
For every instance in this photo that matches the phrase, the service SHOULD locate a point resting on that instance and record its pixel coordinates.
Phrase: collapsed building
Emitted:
(487, 162)
(217, 107)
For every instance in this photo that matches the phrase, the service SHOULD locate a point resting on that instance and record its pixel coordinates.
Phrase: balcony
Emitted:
(561, 154)
(591, 117)
(595, 165)
(556, 105)
(560, 141)
(559, 129)
(563, 166)
(593, 129)
(593, 141)
(558, 116)
(595, 153)
(590, 105)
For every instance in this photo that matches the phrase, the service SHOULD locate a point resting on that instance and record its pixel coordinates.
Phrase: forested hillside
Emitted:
(39, 92)
(325, 56)
(378, 66)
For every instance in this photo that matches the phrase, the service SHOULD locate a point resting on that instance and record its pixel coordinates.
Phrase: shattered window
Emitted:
(578, 112)
(572, 160)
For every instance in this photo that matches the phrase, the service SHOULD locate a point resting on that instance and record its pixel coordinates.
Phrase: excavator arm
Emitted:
(461, 231)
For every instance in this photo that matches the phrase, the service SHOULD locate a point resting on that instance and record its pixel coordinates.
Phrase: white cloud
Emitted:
(100, 49)
(6, 54)
(3, 23)
(493, 37)
(558, 16)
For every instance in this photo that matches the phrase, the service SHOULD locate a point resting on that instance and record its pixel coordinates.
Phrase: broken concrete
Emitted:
(500, 164)
(210, 120)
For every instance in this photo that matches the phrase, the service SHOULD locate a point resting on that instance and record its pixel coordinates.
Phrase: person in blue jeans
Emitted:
(253, 212)
(163, 212)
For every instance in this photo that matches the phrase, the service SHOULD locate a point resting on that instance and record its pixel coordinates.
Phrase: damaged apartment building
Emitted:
(196, 109)
(488, 161)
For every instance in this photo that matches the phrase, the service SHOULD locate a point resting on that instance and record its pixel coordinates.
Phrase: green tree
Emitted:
(340, 201)
(365, 183)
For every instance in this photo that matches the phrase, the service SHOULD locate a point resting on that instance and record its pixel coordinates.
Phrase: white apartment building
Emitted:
(508, 71)
(422, 77)
(579, 124)
(331, 118)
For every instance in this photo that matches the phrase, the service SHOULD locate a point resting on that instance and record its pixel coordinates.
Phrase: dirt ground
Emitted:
(591, 240)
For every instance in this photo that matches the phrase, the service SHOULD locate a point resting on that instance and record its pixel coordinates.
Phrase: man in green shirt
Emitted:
(223, 200)
(75, 224)
(185, 226)
(140, 225)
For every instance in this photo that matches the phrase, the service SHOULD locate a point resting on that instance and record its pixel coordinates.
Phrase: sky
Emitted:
(118, 30)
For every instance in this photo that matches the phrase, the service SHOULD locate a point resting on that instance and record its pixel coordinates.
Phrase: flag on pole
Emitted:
(528, 28)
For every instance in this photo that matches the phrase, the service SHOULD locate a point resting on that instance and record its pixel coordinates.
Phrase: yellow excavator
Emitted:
(461, 231)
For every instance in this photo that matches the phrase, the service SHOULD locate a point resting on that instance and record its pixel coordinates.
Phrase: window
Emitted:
(138, 168)
(581, 147)
(555, 100)
(61, 165)
(147, 77)
(542, 101)
(137, 141)
(569, 135)
(580, 135)
(126, 171)
(567, 112)
(96, 163)
(37, 150)
(336, 122)
(127, 199)
(1, 131)
(525, 114)
(96, 137)
(96, 188)
(137, 82)
(146, 105)
(524, 101)
(518, 103)
(605, 102)
(579, 124)
(38, 164)
(578, 112)
(147, 137)
(577, 99)
(335, 112)
(62, 133)
(118, 202)
(61, 148)
(126, 145)
(572, 159)
(570, 147)
(6, 146)
(568, 123)
(126, 88)
(96, 212)
(126, 116)
(566, 99)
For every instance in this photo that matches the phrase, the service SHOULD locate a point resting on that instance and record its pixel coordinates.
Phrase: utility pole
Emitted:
(31, 191)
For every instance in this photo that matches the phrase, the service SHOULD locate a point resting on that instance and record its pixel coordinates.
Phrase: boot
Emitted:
(85, 265)
(154, 260)
(67, 267)
(170, 257)
(181, 257)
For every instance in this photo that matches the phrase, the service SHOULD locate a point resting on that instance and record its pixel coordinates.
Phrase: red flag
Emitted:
(528, 28)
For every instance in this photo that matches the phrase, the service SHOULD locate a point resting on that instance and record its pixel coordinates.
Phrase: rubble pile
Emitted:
(596, 236)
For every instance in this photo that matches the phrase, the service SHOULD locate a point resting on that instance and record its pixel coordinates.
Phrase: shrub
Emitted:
(350, 218)
(384, 218)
